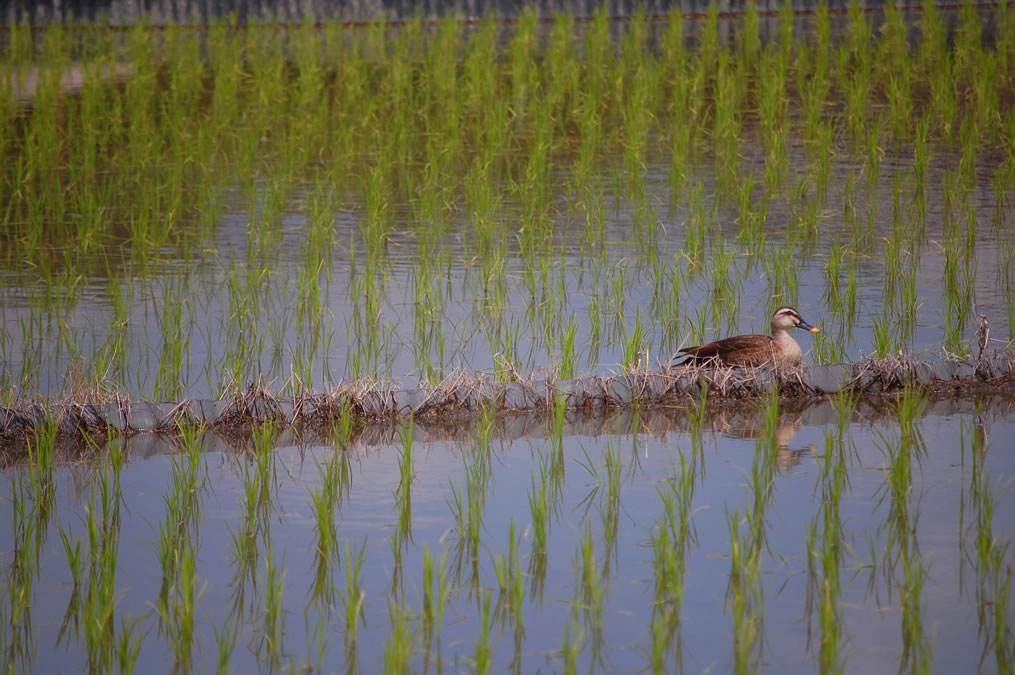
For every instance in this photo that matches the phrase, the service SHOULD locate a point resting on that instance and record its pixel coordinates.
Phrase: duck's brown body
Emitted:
(754, 351)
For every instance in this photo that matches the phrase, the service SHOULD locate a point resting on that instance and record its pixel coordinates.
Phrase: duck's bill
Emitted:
(806, 326)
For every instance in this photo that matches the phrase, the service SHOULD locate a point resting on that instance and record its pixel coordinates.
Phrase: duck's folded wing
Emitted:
(731, 345)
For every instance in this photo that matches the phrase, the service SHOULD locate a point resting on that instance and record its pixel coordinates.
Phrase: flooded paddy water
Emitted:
(332, 206)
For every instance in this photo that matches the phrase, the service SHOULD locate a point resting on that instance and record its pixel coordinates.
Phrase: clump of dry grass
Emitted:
(460, 395)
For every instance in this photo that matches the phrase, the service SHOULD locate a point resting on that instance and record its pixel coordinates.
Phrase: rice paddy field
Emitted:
(186, 212)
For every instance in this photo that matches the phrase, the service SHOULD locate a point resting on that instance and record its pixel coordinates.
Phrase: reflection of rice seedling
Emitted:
(178, 540)
(829, 551)
(334, 483)
(589, 593)
(398, 648)
(993, 580)
(482, 655)
(511, 572)
(433, 611)
(744, 596)
(352, 598)
(403, 493)
(468, 508)
(540, 506)
(571, 641)
(103, 536)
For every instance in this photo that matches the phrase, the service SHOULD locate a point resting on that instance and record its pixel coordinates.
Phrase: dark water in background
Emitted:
(184, 11)
(128, 12)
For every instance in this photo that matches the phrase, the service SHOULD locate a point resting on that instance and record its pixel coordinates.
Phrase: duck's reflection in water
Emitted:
(748, 422)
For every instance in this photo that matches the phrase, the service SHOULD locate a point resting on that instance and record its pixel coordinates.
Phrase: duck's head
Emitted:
(786, 317)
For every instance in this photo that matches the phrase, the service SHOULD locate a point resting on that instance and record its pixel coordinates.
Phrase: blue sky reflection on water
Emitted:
(870, 601)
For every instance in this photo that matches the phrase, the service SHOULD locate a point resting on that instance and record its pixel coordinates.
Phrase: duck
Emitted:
(778, 350)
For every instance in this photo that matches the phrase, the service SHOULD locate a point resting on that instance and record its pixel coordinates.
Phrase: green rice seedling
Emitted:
(636, 108)
(958, 298)
(894, 70)
(833, 286)
(595, 329)
(566, 369)
(723, 286)
(784, 40)
(667, 309)
(830, 348)
(341, 433)
(921, 159)
(750, 40)
(783, 279)
(696, 224)
(892, 262)
(872, 161)
(968, 135)
(619, 284)
(727, 124)
(932, 48)
(681, 125)
(884, 336)
(635, 350)
(751, 218)
(943, 108)
(772, 104)
(813, 83)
